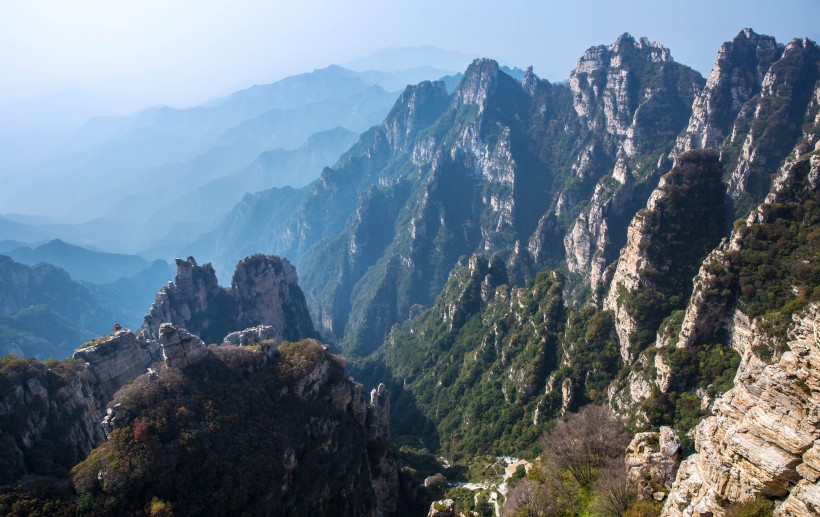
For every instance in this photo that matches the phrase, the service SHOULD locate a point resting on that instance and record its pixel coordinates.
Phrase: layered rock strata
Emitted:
(764, 435)
(180, 348)
(116, 359)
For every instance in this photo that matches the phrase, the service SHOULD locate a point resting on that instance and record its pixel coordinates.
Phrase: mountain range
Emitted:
(490, 259)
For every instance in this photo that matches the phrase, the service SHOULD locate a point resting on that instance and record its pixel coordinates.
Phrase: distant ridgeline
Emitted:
(56, 296)
(637, 237)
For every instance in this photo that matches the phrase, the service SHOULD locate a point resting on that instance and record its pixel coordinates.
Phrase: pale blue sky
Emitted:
(183, 51)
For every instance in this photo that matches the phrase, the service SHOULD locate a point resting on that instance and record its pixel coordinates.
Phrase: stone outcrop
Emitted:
(264, 291)
(115, 359)
(763, 437)
(652, 461)
(250, 336)
(442, 508)
(180, 348)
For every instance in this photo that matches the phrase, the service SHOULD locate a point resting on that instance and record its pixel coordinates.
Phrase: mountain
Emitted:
(40, 331)
(515, 250)
(499, 165)
(47, 314)
(162, 154)
(198, 208)
(194, 145)
(80, 263)
(547, 174)
(191, 147)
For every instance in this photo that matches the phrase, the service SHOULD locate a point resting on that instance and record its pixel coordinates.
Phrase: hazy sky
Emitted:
(184, 51)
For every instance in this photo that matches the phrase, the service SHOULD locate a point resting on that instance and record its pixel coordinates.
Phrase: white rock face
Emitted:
(180, 348)
(610, 98)
(763, 437)
(728, 87)
(116, 359)
(250, 336)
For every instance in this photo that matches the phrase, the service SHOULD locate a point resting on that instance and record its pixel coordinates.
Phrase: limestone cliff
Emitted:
(264, 291)
(757, 101)
(765, 432)
(620, 92)
(729, 290)
(666, 243)
(116, 359)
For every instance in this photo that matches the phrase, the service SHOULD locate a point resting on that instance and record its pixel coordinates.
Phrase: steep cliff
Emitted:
(49, 419)
(757, 278)
(264, 290)
(504, 161)
(116, 359)
(758, 103)
(635, 99)
(764, 435)
(666, 243)
(500, 166)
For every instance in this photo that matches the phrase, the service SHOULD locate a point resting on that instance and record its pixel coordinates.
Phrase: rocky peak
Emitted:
(797, 65)
(626, 46)
(264, 290)
(610, 83)
(471, 287)
(530, 82)
(417, 107)
(756, 84)
(478, 84)
(192, 279)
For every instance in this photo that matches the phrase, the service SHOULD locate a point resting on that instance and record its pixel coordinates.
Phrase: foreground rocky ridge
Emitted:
(764, 436)
(332, 451)
(53, 416)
